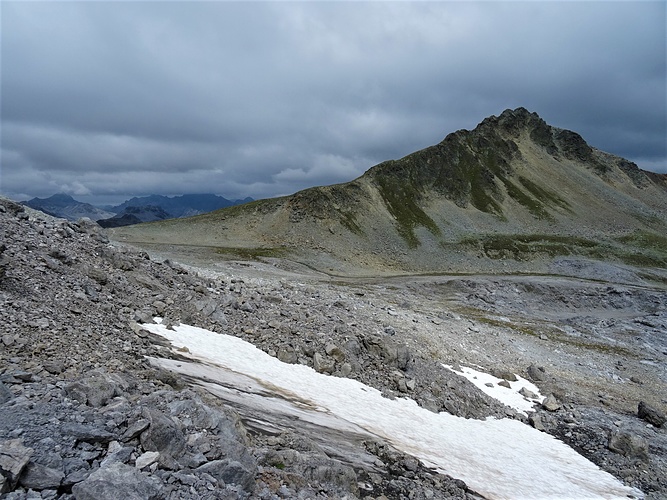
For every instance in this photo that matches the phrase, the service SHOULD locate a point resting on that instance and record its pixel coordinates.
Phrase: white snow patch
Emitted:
(509, 397)
(500, 459)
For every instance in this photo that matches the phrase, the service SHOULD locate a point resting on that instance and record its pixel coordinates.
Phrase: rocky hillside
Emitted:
(84, 414)
(514, 188)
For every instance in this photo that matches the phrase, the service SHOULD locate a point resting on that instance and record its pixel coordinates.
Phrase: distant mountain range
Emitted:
(133, 211)
(179, 206)
(63, 205)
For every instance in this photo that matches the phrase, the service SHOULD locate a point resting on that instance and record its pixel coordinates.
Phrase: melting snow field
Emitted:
(508, 396)
(500, 459)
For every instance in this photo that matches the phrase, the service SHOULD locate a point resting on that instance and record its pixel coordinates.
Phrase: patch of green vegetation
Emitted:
(660, 280)
(646, 240)
(649, 219)
(479, 171)
(534, 206)
(543, 194)
(592, 346)
(349, 220)
(336, 202)
(644, 249)
(400, 197)
(252, 253)
(525, 329)
(640, 259)
(463, 168)
(522, 247)
(479, 197)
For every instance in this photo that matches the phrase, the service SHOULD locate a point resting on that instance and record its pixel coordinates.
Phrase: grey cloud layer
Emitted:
(113, 99)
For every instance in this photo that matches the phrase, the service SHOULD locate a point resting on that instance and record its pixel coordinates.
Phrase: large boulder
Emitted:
(96, 388)
(14, 457)
(230, 472)
(118, 480)
(39, 477)
(628, 445)
(165, 436)
(650, 414)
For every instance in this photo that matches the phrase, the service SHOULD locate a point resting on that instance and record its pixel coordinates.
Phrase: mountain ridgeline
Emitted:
(63, 205)
(133, 211)
(514, 189)
(178, 206)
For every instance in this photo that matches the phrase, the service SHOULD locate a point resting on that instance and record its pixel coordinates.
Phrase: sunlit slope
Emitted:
(513, 188)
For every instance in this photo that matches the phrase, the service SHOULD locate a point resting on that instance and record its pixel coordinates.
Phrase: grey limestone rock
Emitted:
(321, 364)
(164, 436)
(146, 459)
(54, 366)
(5, 393)
(551, 403)
(135, 428)
(628, 444)
(504, 374)
(537, 373)
(39, 477)
(536, 422)
(4, 262)
(335, 352)
(230, 472)
(96, 388)
(118, 481)
(287, 355)
(14, 457)
(98, 275)
(86, 433)
(527, 393)
(650, 414)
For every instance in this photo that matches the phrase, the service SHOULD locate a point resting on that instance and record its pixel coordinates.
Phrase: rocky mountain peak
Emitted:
(60, 198)
(63, 205)
(513, 175)
(513, 121)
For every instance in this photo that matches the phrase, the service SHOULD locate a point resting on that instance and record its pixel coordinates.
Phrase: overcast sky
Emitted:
(108, 100)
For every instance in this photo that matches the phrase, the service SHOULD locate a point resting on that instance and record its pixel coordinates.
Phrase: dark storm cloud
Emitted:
(106, 100)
